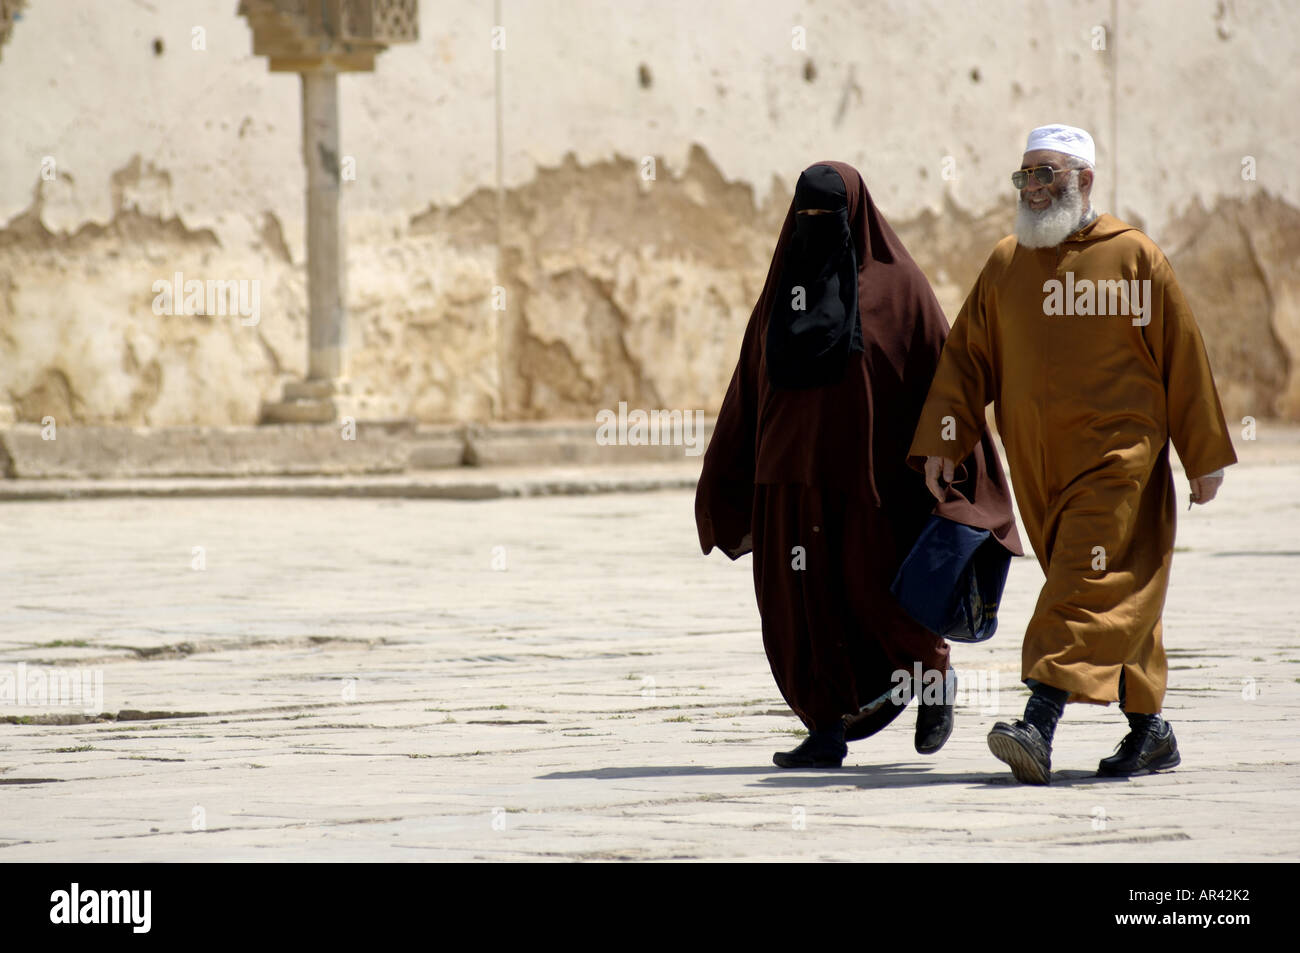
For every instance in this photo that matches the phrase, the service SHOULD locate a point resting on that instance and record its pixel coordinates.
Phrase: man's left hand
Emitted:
(1204, 488)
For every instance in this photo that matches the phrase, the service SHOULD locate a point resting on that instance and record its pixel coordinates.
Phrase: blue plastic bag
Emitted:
(952, 580)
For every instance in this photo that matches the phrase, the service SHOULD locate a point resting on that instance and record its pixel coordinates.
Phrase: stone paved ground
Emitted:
(352, 679)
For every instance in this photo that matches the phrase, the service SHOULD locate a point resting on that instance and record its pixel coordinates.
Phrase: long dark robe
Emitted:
(825, 468)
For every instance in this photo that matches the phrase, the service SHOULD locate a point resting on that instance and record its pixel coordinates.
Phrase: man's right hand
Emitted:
(934, 466)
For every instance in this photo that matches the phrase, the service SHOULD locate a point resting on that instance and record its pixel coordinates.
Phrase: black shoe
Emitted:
(818, 750)
(1020, 745)
(933, 725)
(1141, 752)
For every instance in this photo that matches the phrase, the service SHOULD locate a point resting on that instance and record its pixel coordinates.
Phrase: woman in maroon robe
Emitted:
(807, 468)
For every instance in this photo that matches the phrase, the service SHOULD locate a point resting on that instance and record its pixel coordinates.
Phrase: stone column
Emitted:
(313, 399)
(319, 40)
(323, 396)
(326, 272)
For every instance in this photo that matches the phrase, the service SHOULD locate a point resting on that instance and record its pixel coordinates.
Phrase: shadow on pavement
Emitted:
(864, 776)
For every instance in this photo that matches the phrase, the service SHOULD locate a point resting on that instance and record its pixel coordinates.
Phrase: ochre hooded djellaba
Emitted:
(1094, 363)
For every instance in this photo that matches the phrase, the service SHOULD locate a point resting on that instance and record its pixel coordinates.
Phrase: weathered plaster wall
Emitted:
(167, 158)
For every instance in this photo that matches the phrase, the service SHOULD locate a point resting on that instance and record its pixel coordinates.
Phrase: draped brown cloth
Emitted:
(825, 468)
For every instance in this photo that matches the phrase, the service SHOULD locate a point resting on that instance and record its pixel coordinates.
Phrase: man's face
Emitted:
(1036, 195)
(1047, 214)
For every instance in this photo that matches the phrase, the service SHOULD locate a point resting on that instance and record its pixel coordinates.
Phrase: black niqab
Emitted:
(814, 323)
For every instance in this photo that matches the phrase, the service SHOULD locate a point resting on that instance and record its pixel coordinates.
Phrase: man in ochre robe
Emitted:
(1078, 333)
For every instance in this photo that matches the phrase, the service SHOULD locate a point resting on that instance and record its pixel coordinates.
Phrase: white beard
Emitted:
(1054, 224)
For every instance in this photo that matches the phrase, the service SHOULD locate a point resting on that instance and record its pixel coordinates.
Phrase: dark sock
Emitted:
(1143, 723)
(828, 738)
(833, 733)
(1045, 708)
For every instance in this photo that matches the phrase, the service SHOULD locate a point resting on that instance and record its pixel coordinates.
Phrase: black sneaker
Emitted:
(1141, 752)
(1020, 745)
(818, 750)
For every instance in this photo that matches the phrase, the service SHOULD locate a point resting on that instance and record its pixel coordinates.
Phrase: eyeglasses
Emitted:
(1043, 175)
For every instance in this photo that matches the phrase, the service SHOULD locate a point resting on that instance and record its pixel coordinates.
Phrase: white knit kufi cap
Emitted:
(1067, 139)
